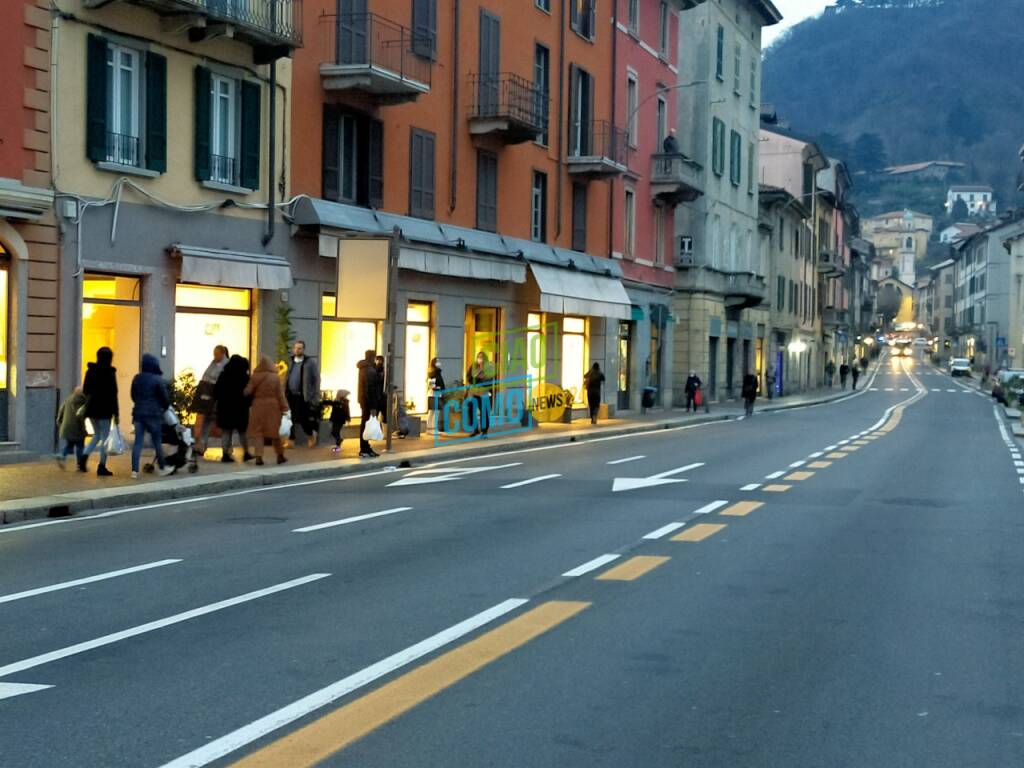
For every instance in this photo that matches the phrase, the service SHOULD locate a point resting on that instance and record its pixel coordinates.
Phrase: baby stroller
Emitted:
(180, 437)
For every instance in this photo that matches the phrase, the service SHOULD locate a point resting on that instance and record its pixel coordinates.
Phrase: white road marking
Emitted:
(904, 389)
(888, 389)
(873, 389)
(10, 690)
(750, 487)
(257, 729)
(627, 459)
(817, 454)
(348, 520)
(427, 476)
(665, 530)
(832, 447)
(709, 508)
(797, 464)
(951, 390)
(775, 475)
(843, 442)
(86, 580)
(532, 480)
(591, 565)
(662, 478)
(141, 629)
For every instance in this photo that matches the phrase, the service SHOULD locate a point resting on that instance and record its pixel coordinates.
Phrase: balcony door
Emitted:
(490, 62)
(351, 42)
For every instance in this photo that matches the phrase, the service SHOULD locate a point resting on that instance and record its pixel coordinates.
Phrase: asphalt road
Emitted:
(838, 585)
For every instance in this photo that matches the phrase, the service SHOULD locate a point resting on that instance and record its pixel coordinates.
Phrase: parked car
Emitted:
(959, 366)
(1008, 386)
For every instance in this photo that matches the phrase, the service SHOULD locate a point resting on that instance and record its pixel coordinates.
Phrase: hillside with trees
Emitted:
(885, 82)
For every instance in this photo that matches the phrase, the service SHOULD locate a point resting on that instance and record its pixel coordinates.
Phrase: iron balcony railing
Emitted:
(674, 168)
(122, 149)
(223, 169)
(598, 138)
(509, 97)
(369, 40)
(277, 22)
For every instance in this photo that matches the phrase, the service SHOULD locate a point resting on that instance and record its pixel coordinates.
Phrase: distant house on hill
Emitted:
(957, 232)
(977, 197)
(931, 170)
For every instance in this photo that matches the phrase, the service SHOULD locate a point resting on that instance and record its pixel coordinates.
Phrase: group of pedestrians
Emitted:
(846, 372)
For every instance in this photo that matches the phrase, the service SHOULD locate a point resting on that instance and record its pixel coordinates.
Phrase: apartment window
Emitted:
(579, 217)
(631, 109)
(720, 54)
(718, 146)
(738, 63)
(792, 297)
(126, 105)
(659, 235)
(948, 302)
(227, 141)
(629, 233)
(582, 17)
(486, 191)
(780, 292)
(544, 5)
(735, 158)
(634, 16)
(753, 83)
(421, 174)
(542, 84)
(581, 112)
(424, 28)
(808, 180)
(353, 158)
(751, 174)
(663, 17)
(539, 207)
(661, 121)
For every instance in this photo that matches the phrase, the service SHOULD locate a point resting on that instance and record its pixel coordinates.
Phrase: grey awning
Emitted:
(571, 292)
(457, 265)
(232, 269)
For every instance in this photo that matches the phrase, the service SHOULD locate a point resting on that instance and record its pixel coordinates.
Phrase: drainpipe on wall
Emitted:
(615, 83)
(272, 159)
(561, 106)
(453, 156)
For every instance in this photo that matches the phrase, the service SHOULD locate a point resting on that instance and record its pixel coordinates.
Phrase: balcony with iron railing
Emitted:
(829, 264)
(123, 149)
(272, 26)
(744, 290)
(369, 53)
(597, 149)
(507, 107)
(675, 178)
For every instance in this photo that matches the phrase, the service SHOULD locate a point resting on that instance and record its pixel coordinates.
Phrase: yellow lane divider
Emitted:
(776, 488)
(835, 455)
(335, 731)
(798, 476)
(742, 508)
(699, 532)
(820, 464)
(633, 568)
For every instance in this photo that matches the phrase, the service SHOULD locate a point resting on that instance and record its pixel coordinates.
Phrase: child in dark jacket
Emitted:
(341, 414)
(71, 418)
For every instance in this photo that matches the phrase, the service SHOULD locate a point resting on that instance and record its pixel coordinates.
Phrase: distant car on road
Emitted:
(1008, 386)
(959, 366)
(920, 343)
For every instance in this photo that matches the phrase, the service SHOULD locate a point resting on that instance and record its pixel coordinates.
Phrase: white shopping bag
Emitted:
(372, 430)
(115, 441)
(286, 425)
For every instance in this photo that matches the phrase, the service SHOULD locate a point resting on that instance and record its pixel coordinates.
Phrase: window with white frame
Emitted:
(663, 17)
(753, 82)
(736, 70)
(634, 16)
(539, 207)
(632, 89)
(659, 235)
(629, 235)
(224, 129)
(124, 102)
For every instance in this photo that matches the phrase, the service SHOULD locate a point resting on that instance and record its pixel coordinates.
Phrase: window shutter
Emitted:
(424, 28)
(203, 126)
(96, 99)
(415, 173)
(375, 171)
(428, 175)
(579, 217)
(331, 178)
(574, 117)
(250, 157)
(156, 112)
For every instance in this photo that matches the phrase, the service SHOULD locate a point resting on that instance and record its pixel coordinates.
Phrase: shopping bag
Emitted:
(171, 418)
(698, 398)
(372, 430)
(115, 441)
(286, 425)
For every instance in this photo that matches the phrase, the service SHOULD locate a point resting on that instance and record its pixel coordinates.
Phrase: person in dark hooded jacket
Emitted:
(368, 397)
(232, 405)
(100, 390)
(151, 400)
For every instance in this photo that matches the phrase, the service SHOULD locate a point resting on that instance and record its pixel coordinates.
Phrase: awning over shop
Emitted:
(569, 292)
(456, 265)
(232, 269)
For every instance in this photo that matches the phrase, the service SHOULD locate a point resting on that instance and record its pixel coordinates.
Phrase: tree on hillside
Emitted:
(834, 145)
(964, 123)
(868, 152)
(959, 212)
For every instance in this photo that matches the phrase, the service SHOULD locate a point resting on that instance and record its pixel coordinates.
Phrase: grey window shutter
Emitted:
(415, 173)
(574, 116)
(428, 175)
(375, 170)
(203, 126)
(250, 159)
(156, 112)
(424, 28)
(96, 99)
(332, 155)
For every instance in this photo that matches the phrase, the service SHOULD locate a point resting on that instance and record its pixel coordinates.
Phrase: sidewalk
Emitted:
(42, 489)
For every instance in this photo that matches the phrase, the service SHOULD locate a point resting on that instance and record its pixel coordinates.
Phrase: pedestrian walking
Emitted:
(71, 421)
(855, 373)
(341, 414)
(101, 408)
(770, 380)
(269, 404)
(368, 397)
(435, 400)
(844, 372)
(204, 406)
(481, 378)
(149, 402)
(303, 391)
(592, 381)
(383, 405)
(749, 393)
(232, 406)
(830, 373)
(693, 384)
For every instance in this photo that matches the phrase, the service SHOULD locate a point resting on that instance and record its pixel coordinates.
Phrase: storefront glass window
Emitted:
(206, 316)
(3, 325)
(111, 317)
(482, 335)
(534, 348)
(417, 354)
(343, 343)
(574, 356)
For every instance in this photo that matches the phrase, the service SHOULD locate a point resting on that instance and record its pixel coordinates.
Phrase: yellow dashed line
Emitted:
(776, 488)
(820, 464)
(798, 476)
(742, 508)
(861, 442)
(849, 448)
(699, 532)
(835, 455)
(633, 568)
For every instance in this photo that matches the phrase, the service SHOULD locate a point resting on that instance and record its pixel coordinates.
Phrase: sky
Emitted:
(793, 12)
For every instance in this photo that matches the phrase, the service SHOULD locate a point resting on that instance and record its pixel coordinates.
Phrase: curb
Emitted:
(189, 487)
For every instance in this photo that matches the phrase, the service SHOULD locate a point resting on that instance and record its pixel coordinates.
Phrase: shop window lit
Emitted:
(206, 316)
(3, 325)
(111, 317)
(343, 343)
(328, 305)
(574, 356)
(417, 354)
(534, 348)
(110, 287)
(482, 335)
(210, 297)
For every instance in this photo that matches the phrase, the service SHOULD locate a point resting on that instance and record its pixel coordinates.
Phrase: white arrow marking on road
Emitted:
(530, 481)
(425, 476)
(10, 690)
(662, 478)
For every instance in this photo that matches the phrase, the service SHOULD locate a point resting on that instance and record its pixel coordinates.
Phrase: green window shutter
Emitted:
(250, 174)
(203, 126)
(156, 112)
(96, 99)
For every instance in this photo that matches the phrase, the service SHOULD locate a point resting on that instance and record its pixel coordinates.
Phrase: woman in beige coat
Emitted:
(268, 405)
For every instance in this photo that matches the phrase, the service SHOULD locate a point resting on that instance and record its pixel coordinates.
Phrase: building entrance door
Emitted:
(4, 325)
(625, 365)
(111, 317)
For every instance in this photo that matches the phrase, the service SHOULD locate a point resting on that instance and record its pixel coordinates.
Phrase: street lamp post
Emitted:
(658, 92)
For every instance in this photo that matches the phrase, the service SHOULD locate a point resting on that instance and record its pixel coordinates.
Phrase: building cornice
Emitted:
(20, 201)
